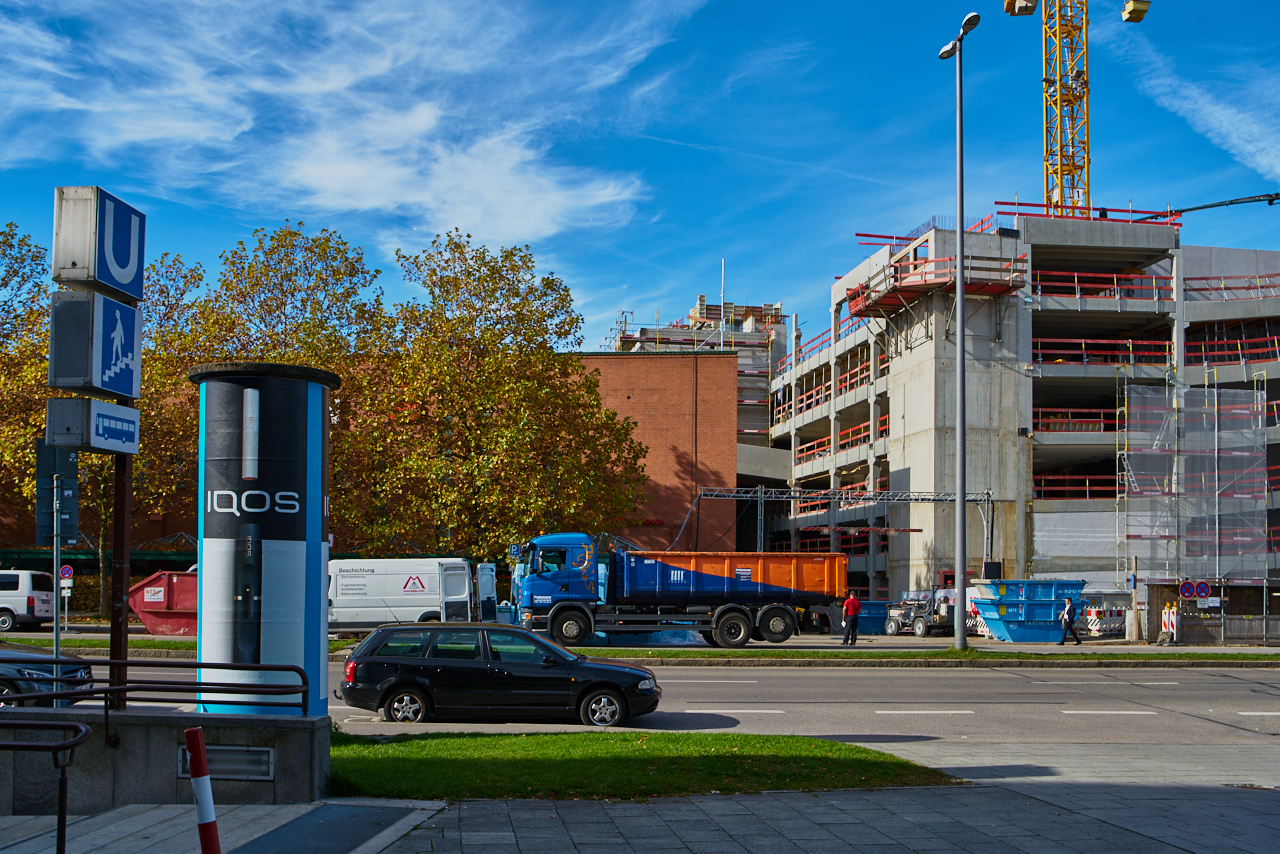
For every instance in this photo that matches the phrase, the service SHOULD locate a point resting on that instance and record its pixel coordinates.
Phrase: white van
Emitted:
(26, 598)
(364, 594)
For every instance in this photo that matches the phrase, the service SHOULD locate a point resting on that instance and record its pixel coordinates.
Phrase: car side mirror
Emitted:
(548, 660)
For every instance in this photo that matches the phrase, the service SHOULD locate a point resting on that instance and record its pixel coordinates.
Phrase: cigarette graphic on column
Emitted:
(246, 631)
(249, 436)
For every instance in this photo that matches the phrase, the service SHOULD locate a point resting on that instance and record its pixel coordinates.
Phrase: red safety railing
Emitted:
(850, 325)
(1273, 413)
(1234, 352)
(1102, 285)
(852, 437)
(1100, 214)
(813, 345)
(1053, 420)
(784, 364)
(1063, 487)
(813, 450)
(1100, 351)
(858, 375)
(1202, 288)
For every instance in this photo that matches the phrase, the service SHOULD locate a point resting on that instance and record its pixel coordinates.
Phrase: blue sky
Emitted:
(631, 144)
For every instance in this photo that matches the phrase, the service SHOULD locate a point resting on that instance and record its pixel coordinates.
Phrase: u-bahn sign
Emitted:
(99, 242)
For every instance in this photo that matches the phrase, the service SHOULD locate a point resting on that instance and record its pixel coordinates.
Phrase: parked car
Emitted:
(481, 669)
(31, 671)
(26, 598)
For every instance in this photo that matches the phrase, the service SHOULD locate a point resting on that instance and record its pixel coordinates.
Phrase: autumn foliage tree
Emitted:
(463, 422)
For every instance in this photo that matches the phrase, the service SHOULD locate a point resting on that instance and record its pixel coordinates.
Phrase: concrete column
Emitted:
(832, 471)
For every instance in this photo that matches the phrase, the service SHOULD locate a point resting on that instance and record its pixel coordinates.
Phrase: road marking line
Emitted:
(1259, 714)
(926, 712)
(1074, 712)
(708, 681)
(1107, 682)
(733, 712)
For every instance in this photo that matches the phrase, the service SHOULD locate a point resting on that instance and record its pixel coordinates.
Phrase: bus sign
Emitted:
(91, 425)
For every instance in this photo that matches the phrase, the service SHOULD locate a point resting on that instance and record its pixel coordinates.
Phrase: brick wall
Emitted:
(692, 438)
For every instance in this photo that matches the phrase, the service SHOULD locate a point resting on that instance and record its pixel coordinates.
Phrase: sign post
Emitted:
(95, 347)
(65, 581)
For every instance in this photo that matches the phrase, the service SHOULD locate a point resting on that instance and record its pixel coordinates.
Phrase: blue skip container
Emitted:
(1024, 611)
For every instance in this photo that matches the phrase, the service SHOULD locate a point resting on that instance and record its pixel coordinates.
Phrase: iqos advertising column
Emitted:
(264, 533)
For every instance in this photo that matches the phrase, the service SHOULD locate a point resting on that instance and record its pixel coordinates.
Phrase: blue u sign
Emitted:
(121, 242)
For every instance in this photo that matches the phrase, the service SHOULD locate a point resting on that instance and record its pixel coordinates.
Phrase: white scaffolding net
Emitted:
(1195, 482)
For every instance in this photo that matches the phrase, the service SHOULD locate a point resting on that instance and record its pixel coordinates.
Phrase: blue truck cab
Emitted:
(555, 569)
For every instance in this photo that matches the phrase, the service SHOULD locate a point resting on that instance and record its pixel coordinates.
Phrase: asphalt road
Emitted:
(1152, 706)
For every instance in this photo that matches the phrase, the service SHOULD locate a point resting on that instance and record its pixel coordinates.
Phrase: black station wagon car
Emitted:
(478, 669)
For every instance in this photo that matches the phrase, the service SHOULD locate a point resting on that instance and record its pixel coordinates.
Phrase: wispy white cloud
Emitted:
(1251, 136)
(442, 112)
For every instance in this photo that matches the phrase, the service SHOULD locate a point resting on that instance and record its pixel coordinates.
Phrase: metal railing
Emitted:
(168, 689)
(1101, 351)
(1203, 288)
(1072, 420)
(54, 748)
(1073, 487)
(1102, 285)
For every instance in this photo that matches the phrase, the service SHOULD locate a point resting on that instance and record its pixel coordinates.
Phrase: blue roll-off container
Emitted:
(1024, 611)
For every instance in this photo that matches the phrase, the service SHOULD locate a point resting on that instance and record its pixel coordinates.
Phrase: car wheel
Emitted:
(7, 688)
(570, 628)
(732, 631)
(7, 621)
(920, 627)
(602, 708)
(892, 627)
(777, 627)
(709, 637)
(406, 706)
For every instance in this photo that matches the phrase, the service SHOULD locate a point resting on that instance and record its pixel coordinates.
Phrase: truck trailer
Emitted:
(572, 586)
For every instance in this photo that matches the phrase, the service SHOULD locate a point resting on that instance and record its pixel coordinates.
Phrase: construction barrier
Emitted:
(1170, 621)
(1098, 622)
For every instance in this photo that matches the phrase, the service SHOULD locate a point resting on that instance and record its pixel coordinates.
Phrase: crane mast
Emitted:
(1066, 107)
(1065, 38)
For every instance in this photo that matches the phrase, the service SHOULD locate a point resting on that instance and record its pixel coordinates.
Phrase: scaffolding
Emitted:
(1194, 465)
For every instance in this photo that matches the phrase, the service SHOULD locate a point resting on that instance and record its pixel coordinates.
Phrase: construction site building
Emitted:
(1117, 410)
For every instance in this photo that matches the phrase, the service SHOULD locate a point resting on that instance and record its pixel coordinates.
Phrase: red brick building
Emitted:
(685, 405)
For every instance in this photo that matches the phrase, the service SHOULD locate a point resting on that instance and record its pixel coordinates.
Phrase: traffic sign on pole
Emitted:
(1202, 590)
(1187, 590)
(66, 572)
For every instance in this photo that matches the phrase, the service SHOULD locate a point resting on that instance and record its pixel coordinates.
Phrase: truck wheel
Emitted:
(777, 627)
(920, 627)
(570, 628)
(7, 621)
(709, 637)
(732, 631)
(602, 708)
(891, 627)
(406, 706)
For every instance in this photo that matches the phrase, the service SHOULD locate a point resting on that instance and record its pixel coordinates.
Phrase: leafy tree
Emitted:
(501, 433)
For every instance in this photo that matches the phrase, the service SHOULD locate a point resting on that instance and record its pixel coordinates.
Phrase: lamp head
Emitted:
(948, 50)
(970, 21)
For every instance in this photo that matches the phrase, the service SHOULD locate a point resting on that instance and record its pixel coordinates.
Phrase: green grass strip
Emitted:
(134, 643)
(911, 654)
(615, 765)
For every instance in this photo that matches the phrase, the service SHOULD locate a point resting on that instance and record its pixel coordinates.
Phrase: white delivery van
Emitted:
(26, 598)
(364, 594)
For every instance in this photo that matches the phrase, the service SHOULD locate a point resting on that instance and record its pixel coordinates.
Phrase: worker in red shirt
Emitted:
(852, 608)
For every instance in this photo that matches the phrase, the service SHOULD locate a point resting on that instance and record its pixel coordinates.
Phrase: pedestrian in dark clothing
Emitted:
(852, 608)
(1068, 618)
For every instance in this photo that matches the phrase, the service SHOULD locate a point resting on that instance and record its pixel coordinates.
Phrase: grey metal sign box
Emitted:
(91, 425)
(95, 345)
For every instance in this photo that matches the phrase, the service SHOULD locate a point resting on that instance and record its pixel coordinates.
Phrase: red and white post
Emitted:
(202, 791)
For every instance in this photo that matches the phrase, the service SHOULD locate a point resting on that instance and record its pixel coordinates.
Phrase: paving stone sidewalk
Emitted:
(978, 819)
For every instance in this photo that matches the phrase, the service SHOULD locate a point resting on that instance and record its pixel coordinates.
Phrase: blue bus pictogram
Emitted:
(115, 429)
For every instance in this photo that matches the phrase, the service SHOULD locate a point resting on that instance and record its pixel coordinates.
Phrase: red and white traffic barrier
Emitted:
(202, 791)
(1169, 621)
(1103, 621)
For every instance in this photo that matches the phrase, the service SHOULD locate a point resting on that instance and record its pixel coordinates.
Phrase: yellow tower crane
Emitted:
(1065, 38)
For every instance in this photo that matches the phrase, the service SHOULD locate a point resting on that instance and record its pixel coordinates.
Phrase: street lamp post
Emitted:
(954, 48)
